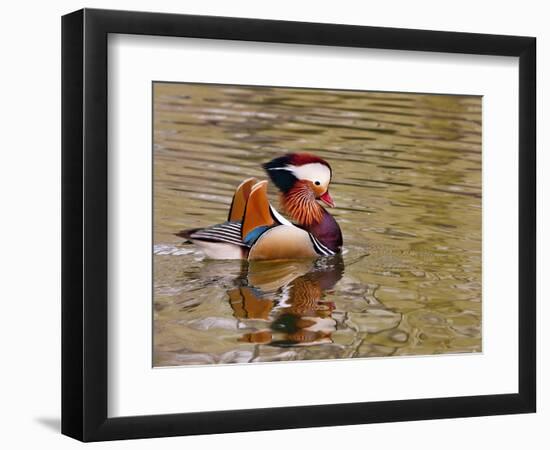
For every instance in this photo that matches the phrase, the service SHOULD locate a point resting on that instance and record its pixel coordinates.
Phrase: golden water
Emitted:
(407, 187)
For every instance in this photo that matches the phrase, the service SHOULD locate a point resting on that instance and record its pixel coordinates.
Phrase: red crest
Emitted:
(300, 159)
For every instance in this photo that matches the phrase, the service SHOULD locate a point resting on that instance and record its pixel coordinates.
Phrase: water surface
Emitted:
(407, 185)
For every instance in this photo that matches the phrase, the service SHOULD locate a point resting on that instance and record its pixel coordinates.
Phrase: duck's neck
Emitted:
(300, 205)
(327, 231)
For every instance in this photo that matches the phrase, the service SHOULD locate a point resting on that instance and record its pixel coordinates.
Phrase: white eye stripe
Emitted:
(312, 172)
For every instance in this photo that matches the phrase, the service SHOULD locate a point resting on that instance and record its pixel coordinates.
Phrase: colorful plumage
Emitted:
(256, 231)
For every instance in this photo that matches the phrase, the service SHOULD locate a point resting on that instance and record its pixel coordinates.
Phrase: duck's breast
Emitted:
(283, 242)
(328, 232)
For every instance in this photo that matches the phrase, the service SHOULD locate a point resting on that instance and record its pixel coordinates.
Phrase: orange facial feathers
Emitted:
(299, 202)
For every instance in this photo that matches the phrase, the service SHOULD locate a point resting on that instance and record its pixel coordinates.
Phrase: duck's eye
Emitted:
(317, 183)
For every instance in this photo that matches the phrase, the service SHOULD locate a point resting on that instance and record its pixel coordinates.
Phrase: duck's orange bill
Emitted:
(327, 199)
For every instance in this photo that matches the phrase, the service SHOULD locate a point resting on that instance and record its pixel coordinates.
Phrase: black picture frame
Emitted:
(84, 224)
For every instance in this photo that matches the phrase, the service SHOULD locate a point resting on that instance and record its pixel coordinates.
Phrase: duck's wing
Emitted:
(238, 205)
(227, 232)
(235, 237)
(230, 231)
(257, 216)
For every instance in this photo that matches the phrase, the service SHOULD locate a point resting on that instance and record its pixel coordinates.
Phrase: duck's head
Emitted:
(301, 172)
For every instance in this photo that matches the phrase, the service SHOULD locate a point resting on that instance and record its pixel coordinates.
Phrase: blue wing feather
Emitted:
(253, 235)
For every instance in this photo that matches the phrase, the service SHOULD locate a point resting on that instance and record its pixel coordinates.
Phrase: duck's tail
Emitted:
(186, 234)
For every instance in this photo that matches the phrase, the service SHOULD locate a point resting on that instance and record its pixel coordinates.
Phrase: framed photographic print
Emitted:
(273, 224)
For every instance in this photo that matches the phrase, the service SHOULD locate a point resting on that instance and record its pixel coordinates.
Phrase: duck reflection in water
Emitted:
(285, 304)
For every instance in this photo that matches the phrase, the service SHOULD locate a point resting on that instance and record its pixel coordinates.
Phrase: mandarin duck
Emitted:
(255, 230)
